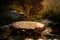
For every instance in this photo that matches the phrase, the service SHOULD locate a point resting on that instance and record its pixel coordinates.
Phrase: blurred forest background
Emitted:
(34, 10)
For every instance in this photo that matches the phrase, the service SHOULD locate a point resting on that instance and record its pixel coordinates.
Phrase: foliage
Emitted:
(37, 17)
(29, 7)
(52, 15)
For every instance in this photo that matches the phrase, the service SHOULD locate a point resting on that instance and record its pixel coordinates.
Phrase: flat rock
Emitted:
(28, 24)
